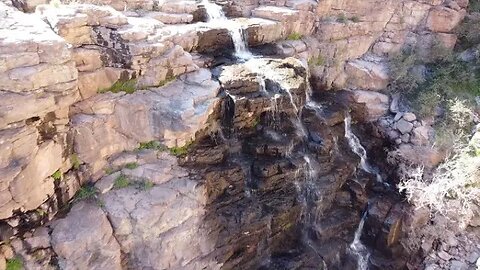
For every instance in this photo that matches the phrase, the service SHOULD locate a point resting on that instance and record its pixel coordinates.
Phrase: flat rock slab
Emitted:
(84, 239)
(108, 124)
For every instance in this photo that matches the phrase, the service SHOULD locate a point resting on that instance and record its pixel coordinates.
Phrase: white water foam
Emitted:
(358, 249)
(358, 149)
(217, 18)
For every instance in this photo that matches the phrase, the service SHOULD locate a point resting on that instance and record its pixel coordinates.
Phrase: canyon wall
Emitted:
(89, 89)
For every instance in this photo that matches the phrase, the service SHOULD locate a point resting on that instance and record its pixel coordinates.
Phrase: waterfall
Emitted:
(357, 248)
(358, 149)
(217, 17)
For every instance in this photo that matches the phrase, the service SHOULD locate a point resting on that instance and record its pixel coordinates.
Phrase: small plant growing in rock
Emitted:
(86, 193)
(153, 145)
(121, 181)
(355, 19)
(131, 165)
(294, 36)
(75, 160)
(342, 18)
(109, 170)
(180, 151)
(166, 81)
(128, 87)
(147, 185)
(317, 61)
(57, 175)
(14, 264)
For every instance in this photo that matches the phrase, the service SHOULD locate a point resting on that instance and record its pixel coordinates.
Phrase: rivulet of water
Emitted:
(358, 149)
(217, 17)
(357, 248)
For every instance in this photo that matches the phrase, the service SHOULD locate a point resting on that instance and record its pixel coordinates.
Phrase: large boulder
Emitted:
(367, 75)
(373, 105)
(443, 19)
(84, 239)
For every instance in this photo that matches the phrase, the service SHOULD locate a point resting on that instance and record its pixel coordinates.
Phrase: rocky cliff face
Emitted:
(97, 100)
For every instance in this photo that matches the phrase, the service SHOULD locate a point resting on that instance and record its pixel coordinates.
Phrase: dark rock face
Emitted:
(282, 187)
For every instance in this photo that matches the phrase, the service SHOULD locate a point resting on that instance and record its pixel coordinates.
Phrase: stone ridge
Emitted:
(57, 132)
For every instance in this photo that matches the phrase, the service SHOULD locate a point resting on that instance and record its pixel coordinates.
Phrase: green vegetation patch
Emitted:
(131, 165)
(57, 176)
(317, 61)
(147, 185)
(153, 145)
(342, 18)
(129, 87)
(86, 193)
(121, 181)
(14, 264)
(295, 36)
(75, 160)
(180, 151)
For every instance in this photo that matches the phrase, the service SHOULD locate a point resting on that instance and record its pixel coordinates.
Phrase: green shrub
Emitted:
(147, 185)
(180, 151)
(57, 175)
(474, 6)
(14, 264)
(109, 170)
(153, 145)
(131, 165)
(166, 81)
(404, 80)
(86, 193)
(295, 36)
(121, 181)
(355, 19)
(317, 61)
(75, 160)
(128, 87)
(342, 18)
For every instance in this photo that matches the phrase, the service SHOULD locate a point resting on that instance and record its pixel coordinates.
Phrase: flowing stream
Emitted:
(217, 17)
(357, 248)
(358, 149)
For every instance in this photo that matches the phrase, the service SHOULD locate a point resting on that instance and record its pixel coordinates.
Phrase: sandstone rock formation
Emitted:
(184, 157)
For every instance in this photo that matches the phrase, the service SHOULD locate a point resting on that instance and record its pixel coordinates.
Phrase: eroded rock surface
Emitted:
(109, 124)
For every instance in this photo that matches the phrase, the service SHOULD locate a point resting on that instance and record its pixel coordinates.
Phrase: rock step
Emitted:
(141, 47)
(293, 21)
(169, 18)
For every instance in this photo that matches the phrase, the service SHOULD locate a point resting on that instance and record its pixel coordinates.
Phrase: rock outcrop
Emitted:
(184, 157)
(38, 82)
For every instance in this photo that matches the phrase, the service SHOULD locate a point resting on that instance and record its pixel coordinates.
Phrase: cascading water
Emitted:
(358, 149)
(357, 248)
(307, 189)
(216, 17)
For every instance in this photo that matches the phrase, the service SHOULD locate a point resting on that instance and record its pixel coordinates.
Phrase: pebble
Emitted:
(3, 263)
(405, 138)
(6, 251)
(473, 257)
(444, 255)
(452, 241)
(458, 265)
(404, 126)
(398, 116)
(409, 117)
